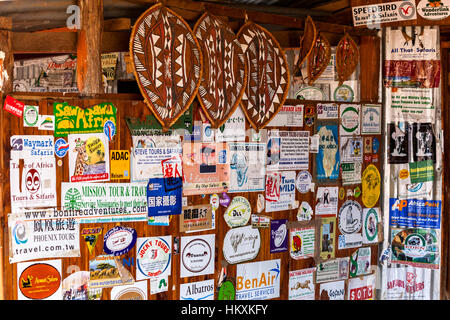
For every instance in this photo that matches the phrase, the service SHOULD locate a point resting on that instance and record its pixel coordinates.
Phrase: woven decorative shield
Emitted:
(306, 45)
(167, 63)
(268, 76)
(224, 73)
(347, 58)
(318, 59)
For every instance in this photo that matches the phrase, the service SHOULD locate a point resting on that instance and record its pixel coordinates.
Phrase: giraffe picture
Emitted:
(88, 157)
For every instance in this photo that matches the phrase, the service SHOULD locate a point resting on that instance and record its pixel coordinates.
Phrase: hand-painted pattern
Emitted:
(224, 73)
(347, 58)
(318, 59)
(268, 76)
(167, 62)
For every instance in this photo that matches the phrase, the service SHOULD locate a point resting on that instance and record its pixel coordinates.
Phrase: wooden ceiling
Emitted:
(47, 14)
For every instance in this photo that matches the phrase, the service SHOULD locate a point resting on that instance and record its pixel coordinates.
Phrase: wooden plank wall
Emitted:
(12, 125)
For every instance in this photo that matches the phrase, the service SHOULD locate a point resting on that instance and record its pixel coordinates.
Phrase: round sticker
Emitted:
(109, 128)
(153, 256)
(303, 182)
(241, 244)
(238, 212)
(350, 217)
(61, 147)
(119, 240)
(344, 94)
(196, 255)
(305, 212)
(371, 186)
(30, 116)
(350, 119)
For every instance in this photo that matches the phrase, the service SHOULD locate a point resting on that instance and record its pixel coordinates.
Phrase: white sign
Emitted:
(327, 201)
(288, 116)
(197, 255)
(361, 288)
(104, 202)
(233, 129)
(408, 283)
(287, 150)
(332, 290)
(327, 111)
(301, 284)
(371, 119)
(434, 10)
(32, 146)
(153, 257)
(32, 237)
(241, 244)
(286, 200)
(135, 291)
(374, 14)
(258, 280)
(350, 119)
(201, 290)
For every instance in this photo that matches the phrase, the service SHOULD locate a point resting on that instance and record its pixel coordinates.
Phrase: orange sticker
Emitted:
(39, 281)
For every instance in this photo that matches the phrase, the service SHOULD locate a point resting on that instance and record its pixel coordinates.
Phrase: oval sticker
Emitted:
(39, 281)
(241, 244)
(238, 212)
(350, 217)
(119, 240)
(371, 186)
(433, 10)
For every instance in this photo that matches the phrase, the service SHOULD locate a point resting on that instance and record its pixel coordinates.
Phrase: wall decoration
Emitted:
(360, 262)
(32, 237)
(351, 149)
(303, 182)
(197, 255)
(319, 58)
(301, 284)
(247, 166)
(258, 280)
(233, 129)
(327, 238)
(398, 142)
(119, 240)
(349, 119)
(328, 157)
(350, 217)
(332, 290)
(307, 42)
(327, 111)
(90, 236)
(371, 119)
(415, 213)
(167, 62)
(423, 142)
(327, 201)
(201, 290)
(280, 191)
(135, 291)
(73, 119)
(361, 288)
(370, 228)
(416, 247)
(241, 244)
(347, 58)
(99, 202)
(39, 280)
(288, 116)
(332, 270)
(265, 59)
(13, 106)
(107, 271)
(153, 257)
(161, 200)
(30, 116)
(278, 235)
(88, 157)
(120, 164)
(224, 76)
(227, 291)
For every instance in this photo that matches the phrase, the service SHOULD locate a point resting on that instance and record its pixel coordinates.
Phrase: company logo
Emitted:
(33, 181)
(61, 147)
(20, 232)
(39, 281)
(434, 9)
(73, 199)
(196, 255)
(406, 10)
(109, 129)
(119, 240)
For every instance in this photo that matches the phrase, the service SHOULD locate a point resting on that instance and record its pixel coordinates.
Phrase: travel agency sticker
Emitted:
(302, 242)
(371, 186)
(238, 212)
(197, 255)
(39, 280)
(153, 257)
(119, 240)
(241, 244)
(328, 157)
(258, 280)
(349, 116)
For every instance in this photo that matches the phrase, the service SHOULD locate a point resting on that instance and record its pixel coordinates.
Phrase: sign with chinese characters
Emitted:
(286, 186)
(34, 236)
(73, 119)
(196, 218)
(160, 200)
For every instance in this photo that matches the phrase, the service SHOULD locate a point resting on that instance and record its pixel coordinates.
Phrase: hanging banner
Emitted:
(247, 166)
(407, 284)
(88, 157)
(301, 284)
(98, 202)
(73, 119)
(33, 237)
(287, 150)
(258, 280)
(206, 168)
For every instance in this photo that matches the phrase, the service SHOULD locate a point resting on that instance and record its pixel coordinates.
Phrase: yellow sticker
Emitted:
(120, 164)
(371, 186)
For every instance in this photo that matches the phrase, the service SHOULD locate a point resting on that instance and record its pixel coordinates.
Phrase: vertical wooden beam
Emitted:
(6, 87)
(89, 42)
(369, 55)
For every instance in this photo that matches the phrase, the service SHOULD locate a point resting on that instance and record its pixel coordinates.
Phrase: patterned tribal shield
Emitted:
(306, 45)
(167, 63)
(347, 58)
(268, 76)
(224, 73)
(318, 59)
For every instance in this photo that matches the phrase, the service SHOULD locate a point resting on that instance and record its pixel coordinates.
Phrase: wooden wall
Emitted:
(12, 125)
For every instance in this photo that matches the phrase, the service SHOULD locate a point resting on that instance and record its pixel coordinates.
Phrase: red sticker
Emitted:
(13, 106)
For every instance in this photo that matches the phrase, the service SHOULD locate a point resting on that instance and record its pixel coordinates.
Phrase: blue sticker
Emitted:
(415, 213)
(162, 202)
(109, 128)
(61, 147)
(328, 157)
(119, 240)
(375, 145)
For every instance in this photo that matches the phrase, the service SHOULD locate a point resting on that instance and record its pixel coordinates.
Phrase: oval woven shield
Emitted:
(306, 44)
(268, 75)
(347, 58)
(167, 63)
(318, 59)
(224, 73)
